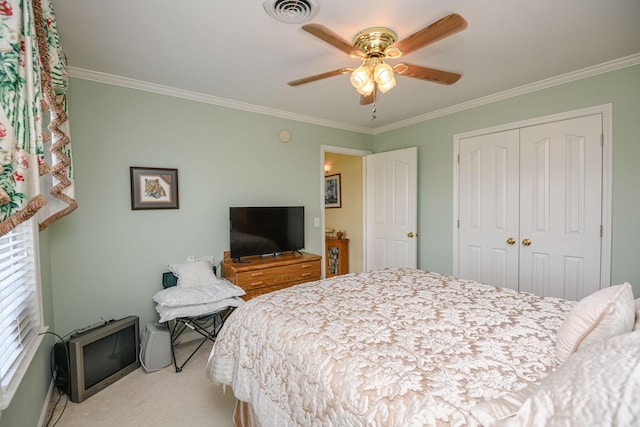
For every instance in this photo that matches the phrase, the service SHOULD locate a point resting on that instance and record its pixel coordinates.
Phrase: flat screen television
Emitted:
(266, 231)
(98, 357)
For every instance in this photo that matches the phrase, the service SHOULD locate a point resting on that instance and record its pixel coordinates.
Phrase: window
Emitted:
(20, 306)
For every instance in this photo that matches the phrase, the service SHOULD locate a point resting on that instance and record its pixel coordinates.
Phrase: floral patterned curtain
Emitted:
(33, 80)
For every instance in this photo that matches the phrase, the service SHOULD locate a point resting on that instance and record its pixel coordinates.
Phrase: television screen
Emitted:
(267, 230)
(108, 355)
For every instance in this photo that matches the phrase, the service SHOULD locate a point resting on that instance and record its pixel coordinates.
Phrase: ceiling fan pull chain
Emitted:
(373, 113)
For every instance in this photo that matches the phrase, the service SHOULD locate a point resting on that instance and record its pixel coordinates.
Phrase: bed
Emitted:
(397, 347)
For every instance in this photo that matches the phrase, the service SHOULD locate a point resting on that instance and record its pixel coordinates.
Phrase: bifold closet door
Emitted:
(561, 207)
(530, 203)
(489, 208)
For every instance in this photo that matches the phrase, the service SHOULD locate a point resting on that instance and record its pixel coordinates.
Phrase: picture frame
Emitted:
(332, 191)
(154, 188)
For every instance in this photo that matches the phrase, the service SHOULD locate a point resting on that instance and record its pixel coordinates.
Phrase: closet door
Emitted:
(560, 207)
(530, 208)
(488, 208)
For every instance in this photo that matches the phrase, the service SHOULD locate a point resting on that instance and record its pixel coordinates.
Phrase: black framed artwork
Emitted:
(154, 188)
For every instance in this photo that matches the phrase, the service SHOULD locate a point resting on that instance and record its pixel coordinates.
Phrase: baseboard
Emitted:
(44, 413)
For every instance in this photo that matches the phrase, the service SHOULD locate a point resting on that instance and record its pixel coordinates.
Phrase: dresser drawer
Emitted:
(260, 275)
(306, 271)
(254, 292)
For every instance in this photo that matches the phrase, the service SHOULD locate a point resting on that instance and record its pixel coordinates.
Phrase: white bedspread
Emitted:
(396, 347)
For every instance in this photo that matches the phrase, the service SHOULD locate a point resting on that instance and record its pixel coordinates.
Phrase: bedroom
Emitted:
(105, 260)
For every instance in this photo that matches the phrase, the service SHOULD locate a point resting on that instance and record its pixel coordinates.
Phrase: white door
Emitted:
(530, 208)
(488, 207)
(561, 207)
(392, 209)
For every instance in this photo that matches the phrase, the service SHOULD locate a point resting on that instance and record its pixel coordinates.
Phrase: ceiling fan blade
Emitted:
(440, 29)
(325, 34)
(320, 76)
(369, 99)
(424, 73)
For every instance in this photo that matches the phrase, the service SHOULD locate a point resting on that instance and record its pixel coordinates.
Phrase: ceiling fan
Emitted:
(376, 44)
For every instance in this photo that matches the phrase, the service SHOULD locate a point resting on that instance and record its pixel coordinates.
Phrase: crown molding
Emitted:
(111, 79)
(606, 67)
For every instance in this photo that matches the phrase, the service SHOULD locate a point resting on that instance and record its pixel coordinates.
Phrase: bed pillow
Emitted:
(194, 273)
(177, 296)
(604, 313)
(599, 383)
(637, 325)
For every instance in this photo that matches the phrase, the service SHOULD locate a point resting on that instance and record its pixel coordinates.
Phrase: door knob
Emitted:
(511, 241)
(526, 242)
(410, 234)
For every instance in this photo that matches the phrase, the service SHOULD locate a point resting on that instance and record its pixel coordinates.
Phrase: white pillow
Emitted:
(194, 273)
(177, 296)
(637, 325)
(604, 313)
(170, 313)
(598, 385)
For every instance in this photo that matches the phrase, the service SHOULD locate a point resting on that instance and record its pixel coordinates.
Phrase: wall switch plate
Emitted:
(316, 221)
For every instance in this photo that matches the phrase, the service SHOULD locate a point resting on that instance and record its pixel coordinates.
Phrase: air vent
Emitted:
(291, 11)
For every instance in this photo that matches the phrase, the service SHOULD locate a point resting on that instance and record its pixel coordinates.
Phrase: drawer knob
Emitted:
(257, 274)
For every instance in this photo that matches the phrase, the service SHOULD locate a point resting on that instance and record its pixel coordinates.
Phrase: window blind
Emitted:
(20, 307)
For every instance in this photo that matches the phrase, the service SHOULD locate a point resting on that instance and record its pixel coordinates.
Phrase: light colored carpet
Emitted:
(160, 398)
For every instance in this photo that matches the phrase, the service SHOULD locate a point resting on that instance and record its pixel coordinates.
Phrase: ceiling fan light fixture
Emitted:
(360, 77)
(383, 73)
(388, 85)
(367, 89)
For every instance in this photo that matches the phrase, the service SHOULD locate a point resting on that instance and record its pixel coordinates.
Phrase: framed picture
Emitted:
(154, 188)
(332, 191)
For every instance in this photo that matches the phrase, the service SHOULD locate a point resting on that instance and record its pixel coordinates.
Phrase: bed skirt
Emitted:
(244, 415)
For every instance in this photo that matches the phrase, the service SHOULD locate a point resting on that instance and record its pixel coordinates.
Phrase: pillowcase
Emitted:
(180, 296)
(599, 385)
(637, 325)
(194, 273)
(170, 313)
(602, 314)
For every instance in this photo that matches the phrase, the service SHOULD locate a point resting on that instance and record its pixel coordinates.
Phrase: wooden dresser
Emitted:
(262, 275)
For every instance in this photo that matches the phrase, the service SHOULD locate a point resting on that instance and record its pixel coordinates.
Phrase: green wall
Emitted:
(105, 261)
(434, 139)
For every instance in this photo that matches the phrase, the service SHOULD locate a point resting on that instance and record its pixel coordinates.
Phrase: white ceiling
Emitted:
(231, 52)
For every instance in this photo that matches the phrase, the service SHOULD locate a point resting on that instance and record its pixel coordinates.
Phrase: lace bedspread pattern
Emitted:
(394, 347)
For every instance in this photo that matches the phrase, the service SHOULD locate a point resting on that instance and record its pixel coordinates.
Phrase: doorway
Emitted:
(347, 217)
